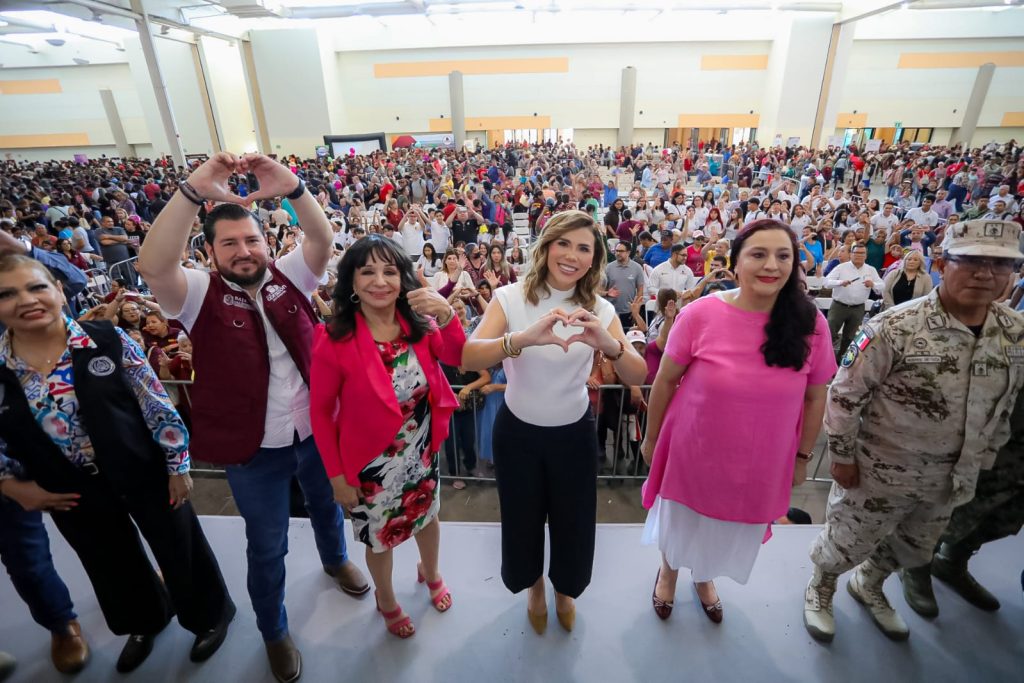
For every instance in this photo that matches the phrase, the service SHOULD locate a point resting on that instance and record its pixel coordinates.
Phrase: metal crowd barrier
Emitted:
(618, 457)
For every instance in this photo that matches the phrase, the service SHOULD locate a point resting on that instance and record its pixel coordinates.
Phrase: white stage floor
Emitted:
(485, 637)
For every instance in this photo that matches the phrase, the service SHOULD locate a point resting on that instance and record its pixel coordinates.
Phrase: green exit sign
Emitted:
(899, 124)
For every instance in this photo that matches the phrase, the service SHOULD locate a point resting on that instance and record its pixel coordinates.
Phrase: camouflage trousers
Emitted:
(891, 528)
(997, 509)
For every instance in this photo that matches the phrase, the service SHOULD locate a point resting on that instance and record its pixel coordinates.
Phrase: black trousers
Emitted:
(131, 596)
(546, 474)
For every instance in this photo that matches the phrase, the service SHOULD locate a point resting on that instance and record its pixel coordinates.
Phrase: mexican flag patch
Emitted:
(860, 342)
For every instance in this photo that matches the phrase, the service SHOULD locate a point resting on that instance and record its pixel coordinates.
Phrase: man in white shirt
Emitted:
(753, 212)
(250, 291)
(923, 215)
(1003, 192)
(887, 220)
(851, 284)
(672, 274)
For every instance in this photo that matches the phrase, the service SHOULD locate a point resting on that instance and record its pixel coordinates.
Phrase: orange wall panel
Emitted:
(958, 60)
(1013, 119)
(847, 120)
(733, 62)
(44, 140)
(46, 86)
(719, 120)
(472, 67)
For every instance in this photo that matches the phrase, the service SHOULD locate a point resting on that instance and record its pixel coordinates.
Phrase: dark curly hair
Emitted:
(793, 318)
(343, 323)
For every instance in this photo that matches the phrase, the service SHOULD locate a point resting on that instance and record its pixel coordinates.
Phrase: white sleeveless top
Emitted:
(547, 387)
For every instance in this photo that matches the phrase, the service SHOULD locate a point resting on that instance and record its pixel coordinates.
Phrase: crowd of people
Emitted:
(511, 307)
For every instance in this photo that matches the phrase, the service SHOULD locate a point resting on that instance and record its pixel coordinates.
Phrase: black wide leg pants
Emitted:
(546, 474)
(133, 599)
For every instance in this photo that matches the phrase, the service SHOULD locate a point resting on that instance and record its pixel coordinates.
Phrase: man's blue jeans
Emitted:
(261, 488)
(25, 551)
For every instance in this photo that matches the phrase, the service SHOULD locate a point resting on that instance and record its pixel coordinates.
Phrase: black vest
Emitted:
(127, 456)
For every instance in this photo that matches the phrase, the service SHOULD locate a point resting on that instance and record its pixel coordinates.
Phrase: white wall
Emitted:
(229, 98)
(984, 136)
(669, 82)
(76, 109)
(926, 97)
(592, 137)
(48, 153)
(292, 83)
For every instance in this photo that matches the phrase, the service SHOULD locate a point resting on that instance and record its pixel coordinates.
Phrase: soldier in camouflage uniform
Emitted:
(996, 511)
(920, 404)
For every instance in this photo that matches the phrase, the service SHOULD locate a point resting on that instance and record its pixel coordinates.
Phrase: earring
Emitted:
(354, 298)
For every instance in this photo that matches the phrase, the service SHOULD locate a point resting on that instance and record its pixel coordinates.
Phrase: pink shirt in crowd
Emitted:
(728, 442)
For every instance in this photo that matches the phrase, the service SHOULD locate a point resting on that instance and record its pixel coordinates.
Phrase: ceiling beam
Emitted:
(863, 10)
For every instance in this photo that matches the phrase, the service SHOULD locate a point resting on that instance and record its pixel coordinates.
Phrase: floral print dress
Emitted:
(400, 487)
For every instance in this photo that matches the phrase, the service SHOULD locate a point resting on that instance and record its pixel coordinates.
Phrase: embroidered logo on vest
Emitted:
(101, 367)
(275, 292)
(240, 301)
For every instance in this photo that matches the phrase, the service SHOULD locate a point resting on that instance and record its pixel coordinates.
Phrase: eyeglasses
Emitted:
(998, 266)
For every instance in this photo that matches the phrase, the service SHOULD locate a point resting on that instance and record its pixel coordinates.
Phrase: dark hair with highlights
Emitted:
(793, 318)
(381, 248)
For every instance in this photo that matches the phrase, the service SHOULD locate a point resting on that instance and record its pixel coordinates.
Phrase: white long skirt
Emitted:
(710, 548)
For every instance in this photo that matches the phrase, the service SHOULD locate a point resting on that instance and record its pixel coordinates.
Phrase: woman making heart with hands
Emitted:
(544, 330)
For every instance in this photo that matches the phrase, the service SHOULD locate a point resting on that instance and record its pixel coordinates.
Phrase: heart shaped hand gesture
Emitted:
(594, 333)
(275, 179)
(210, 180)
(542, 332)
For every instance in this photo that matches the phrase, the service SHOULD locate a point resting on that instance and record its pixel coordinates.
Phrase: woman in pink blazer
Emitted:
(380, 407)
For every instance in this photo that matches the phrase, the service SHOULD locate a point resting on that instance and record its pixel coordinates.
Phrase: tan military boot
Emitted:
(866, 588)
(818, 618)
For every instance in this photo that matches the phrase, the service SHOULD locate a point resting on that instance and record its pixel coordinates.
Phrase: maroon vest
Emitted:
(232, 364)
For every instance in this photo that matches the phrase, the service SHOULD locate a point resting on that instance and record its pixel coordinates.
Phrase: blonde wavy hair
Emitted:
(535, 282)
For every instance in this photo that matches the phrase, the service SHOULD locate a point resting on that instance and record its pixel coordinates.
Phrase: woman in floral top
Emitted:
(380, 407)
(88, 433)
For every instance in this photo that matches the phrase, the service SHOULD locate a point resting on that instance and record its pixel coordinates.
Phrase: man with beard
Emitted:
(252, 323)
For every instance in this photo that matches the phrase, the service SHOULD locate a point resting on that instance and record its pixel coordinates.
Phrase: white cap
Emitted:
(635, 336)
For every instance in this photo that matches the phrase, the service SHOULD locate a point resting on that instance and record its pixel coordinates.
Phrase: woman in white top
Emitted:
(452, 278)
(545, 329)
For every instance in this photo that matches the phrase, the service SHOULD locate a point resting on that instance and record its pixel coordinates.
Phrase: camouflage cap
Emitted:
(983, 237)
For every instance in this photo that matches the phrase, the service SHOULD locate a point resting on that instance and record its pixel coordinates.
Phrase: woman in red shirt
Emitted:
(694, 257)
(74, 257)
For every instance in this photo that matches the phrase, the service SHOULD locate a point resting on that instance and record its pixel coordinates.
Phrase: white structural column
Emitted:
(832, 83)
(124, 150)
(292, 89)
(972, 111)
(226, 85)
(255, 95)
(796, 64)
(206, 95)
(457, 97)
(156, 78)
(627, 107)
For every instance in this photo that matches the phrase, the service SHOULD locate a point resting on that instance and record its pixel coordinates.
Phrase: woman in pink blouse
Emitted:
(764, 353)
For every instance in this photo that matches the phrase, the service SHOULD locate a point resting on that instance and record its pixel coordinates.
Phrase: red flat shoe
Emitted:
(712, 611)
(663, 608)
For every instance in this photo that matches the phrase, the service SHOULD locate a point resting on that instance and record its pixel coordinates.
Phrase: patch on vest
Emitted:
(860, 342)
(275, 292)
(240, 301)
(101, 367)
